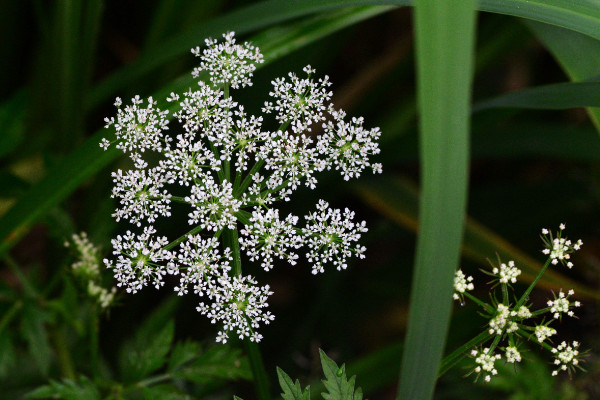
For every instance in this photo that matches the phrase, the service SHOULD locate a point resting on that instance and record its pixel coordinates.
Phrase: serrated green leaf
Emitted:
(337, 385)
(182, 353)
(82, 389)
(146, 353)
(291, 390)
(7, 353)
(221, 362)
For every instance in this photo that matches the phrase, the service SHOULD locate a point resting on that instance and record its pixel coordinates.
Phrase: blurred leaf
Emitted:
(529, 380)
(182, 353)
(82, 389)
(445, 32)
(146, 353)
(164, 392)
(11, 185)
(337, 385)
(221, 362)
(12, 122)
(34, 332)
(7, 353)
(398, 199)
(291, 390)
(549, 97)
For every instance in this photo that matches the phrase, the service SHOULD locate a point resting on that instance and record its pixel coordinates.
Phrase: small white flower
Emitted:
(522, 313)
(214, 205)
(348, 145)
(485, 363)
(330, 235)
(462, 283)
(299, 102)
(267, 236)
(542, 332)
(559, 249)
(228, 62)
(561, 305)
(502, 321)
(512, 355)
(507, 273)
(239, 305)
(139, 259)
(566, 357)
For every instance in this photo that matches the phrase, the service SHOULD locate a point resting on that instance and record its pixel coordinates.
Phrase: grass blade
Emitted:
(548, 97)
(445, 32)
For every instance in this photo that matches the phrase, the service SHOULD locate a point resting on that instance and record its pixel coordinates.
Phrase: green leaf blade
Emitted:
(445, 41)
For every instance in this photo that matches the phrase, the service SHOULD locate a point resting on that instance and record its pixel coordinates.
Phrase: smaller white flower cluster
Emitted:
(507, 273)
(228, 62)
(485, 360)
(561, 305)
(508, 323)
(559, 249)
(462, 283)
(566, 357)
(331, 238)
(87, 267)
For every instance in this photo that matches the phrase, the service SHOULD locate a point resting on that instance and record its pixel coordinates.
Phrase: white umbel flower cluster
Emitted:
(224, 170)
(561, 304)
(485, 360)
(559, 248)
(566, 357)
(462, 284)
(507, 273)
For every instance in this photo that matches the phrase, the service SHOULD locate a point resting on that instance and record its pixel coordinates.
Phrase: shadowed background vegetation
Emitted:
(533, 151)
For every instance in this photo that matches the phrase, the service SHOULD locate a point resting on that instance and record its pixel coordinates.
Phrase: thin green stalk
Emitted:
(525, 295)
(63, 356)
(94, 344)
(183, 237)
(261, 380)
(475, 300)
(453, 358)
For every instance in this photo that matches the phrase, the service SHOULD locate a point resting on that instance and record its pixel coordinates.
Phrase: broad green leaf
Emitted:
(222, 362)
(12, 122)
(398, 200)
(445, 32)
(146, 353)
(548, 97)
(291, 390)
(338, 386)
(182, 353)
(89, 158)
(34, 332)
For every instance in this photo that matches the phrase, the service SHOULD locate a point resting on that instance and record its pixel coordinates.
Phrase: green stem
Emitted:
(525, 295)
(482, 304)
(453, 358)
(183, 237)
(261, 380)
(65, 363)
(94, 344)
